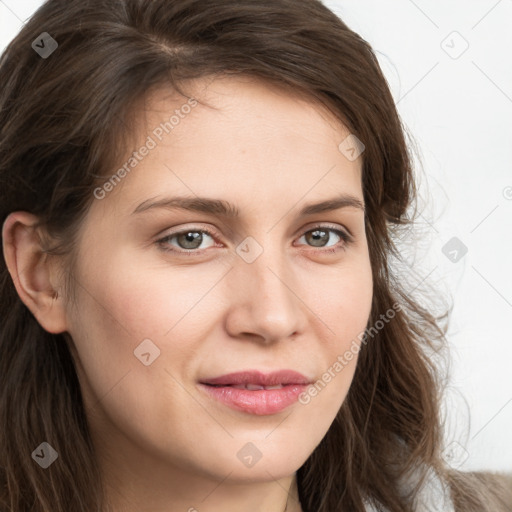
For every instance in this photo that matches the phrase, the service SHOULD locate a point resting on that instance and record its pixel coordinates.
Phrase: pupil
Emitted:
(318, 235)
(192, 240)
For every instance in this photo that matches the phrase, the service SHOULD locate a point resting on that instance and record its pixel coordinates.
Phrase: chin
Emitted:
(257, 461)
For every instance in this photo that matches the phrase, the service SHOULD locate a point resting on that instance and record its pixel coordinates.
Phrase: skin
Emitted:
(162, 443)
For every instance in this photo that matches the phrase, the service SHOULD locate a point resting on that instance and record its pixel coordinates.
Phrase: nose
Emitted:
(265, 303)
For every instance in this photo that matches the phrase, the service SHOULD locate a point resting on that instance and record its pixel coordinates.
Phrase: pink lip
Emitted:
(262, 401)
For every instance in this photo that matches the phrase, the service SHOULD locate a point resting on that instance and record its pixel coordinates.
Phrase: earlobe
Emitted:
(31, 271)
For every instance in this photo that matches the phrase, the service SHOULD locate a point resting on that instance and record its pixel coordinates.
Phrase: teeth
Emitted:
(256, 387)
(239, 386)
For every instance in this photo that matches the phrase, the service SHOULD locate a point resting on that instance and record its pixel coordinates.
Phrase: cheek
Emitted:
(122, 302)
(118, 308)
(342, 300)
(344, 308)
(144, 301)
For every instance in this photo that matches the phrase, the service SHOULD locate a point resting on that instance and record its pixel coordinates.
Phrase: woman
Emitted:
(199, 201)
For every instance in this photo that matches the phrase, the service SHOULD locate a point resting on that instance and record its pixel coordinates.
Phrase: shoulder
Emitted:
(433, 495)
(477, 488)
(457, 491)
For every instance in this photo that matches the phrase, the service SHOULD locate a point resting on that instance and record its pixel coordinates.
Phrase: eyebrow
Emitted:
(226, 209)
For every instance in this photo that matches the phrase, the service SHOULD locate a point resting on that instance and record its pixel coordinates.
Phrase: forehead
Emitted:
(243, 137)
(240, 102)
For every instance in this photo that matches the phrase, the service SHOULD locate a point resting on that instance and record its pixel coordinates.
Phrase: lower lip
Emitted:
(261, 402)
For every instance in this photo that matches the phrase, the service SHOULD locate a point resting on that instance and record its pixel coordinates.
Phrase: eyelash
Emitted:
(347, 240)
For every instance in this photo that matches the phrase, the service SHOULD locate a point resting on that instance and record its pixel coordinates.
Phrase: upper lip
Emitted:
(283, 377)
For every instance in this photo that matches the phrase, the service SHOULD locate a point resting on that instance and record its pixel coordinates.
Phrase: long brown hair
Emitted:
(64, 122)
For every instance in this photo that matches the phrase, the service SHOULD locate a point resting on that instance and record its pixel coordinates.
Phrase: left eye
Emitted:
(190, 240)
(322, 234)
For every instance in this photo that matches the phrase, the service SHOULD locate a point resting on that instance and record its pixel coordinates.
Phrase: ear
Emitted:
(33, 275)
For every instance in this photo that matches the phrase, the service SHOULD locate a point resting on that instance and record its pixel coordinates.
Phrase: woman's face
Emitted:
(159, 314)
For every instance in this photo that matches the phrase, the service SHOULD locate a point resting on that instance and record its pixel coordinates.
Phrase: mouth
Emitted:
(248, 386)
(257, 378)
(255, 392)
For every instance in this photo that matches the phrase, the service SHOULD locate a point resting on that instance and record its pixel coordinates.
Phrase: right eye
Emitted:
(188, 241)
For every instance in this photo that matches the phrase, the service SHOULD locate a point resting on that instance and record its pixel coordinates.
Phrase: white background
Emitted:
(458, 107)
